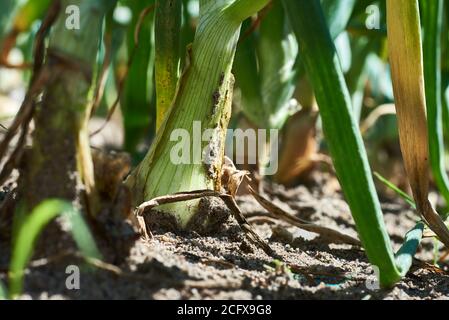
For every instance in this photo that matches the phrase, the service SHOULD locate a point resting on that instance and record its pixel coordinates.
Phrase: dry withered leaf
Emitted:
(231, 177)
(406, 59)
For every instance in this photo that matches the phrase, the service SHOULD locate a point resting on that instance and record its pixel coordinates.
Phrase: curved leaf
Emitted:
(32, 226)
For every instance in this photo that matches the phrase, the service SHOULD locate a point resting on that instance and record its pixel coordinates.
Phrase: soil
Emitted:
(224, 265)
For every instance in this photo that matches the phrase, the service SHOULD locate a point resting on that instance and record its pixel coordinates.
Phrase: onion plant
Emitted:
(204, 94)
(174, 71)
(60, 157)
(31, 225)
(345, 143)
(342, 134)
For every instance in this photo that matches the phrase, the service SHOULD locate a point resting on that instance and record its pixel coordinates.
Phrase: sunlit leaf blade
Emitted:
(33, 225)
(342, 133)
(404, 256)
(398, 191)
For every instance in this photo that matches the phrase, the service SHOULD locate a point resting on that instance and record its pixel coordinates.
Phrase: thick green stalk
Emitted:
(204, 95)
(167, 41)
(342, 134)
(432, 23)
(60, 158)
